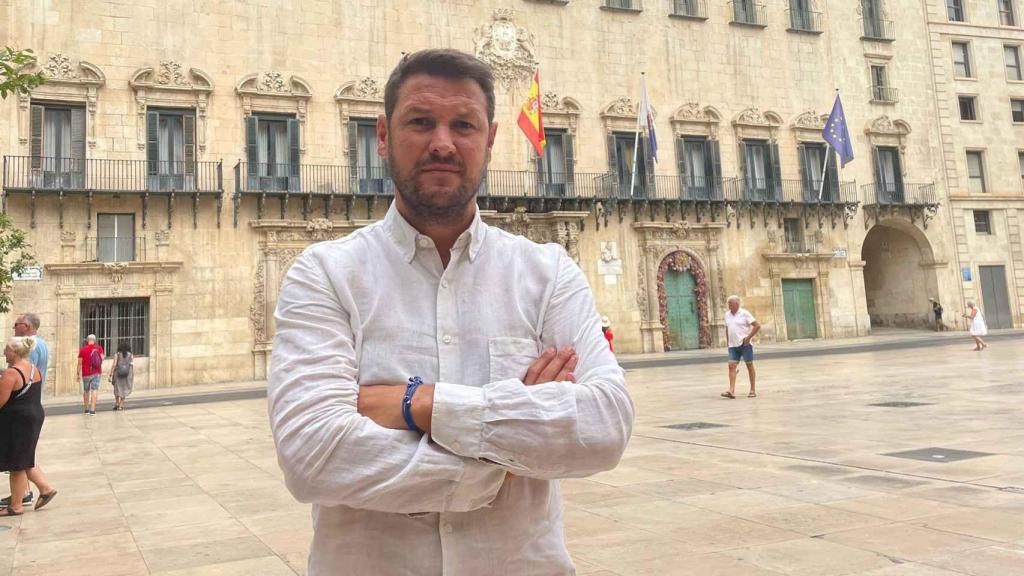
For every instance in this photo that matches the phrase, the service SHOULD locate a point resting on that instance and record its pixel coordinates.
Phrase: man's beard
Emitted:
(439, 207)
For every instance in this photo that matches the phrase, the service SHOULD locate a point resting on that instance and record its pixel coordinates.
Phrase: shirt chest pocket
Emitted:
(510, 357)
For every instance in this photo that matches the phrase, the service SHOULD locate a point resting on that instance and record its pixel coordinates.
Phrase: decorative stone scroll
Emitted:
(273, 92)
(753, 123)
(692, 119)
(171, 85)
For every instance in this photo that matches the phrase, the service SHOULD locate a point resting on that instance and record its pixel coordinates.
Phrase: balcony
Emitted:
(899, 194)
(693, 9)
(806, 21)
(74, 175)
(800, 246)
(813, 192)
(748, 13)
(884, 95)
(879, 30)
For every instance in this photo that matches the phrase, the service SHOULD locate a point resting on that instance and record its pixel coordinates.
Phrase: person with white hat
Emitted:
(606, 329)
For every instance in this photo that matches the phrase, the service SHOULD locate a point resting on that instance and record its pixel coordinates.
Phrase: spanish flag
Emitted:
(530, 119)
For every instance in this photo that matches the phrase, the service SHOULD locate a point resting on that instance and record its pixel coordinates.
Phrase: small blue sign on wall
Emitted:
(966, 273)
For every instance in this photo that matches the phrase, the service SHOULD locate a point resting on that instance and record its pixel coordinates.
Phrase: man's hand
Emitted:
(382, 403)
(552, 366)
(746, 341)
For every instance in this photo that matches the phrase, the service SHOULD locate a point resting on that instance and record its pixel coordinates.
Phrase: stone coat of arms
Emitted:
(507, 48)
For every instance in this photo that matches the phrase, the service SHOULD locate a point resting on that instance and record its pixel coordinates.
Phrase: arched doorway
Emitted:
(683, 302)
(899, 275)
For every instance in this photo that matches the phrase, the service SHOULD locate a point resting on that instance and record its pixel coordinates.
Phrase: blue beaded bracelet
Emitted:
(410, 389)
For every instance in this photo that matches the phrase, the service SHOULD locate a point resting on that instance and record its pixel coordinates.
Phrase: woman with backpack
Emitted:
(122, 375)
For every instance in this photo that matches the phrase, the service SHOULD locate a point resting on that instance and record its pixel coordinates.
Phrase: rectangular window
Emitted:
(171, 149)
(57, 145)
(115, 237)
(370, 167)
(115, 322)
(812, 159)
(955, 10)
(874, 26)
(696, 167)
(693, 8)
(748, 12)
(1007, 16)
(961, 60)
(976, 171)
(982, 224)
(272, 151)
(631, 184)
(554, 168)
(1012, 56)
(758, 170)
(889, 175)
(1017, 110)
(794, 235)
(880, 89)
(968, 107)
(625, 4)
(1020, 166)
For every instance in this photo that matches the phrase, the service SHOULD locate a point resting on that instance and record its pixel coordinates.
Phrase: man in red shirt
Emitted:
(92, 368)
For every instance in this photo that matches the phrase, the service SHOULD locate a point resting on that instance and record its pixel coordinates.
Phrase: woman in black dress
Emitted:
(21, 419)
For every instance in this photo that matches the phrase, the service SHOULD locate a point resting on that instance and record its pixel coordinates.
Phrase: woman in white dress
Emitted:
(978, 327)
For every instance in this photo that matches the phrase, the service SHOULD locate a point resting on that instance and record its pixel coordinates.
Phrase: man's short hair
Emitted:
(443, 63)
(91, 337)
(31, 319)
(734, 297)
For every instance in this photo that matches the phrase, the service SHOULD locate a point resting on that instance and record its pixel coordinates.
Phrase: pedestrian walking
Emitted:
(21, 420)
(977, 325)
(28, 325)
(122, 375)
(428, 405)
(937, 311)
(606, 329)
(90, 365)
(740, 327)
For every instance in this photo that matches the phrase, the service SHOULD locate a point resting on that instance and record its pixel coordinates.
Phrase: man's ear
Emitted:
(490, 139)
(382, 136)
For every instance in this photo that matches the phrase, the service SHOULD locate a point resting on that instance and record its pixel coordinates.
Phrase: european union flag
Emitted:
(837, 134)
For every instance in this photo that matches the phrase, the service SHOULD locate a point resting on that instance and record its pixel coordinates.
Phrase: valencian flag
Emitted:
(837, 134)
(530, 118)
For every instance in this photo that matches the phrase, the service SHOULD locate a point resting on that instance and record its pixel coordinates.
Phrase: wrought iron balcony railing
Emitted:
(690, 8)
(749, 13)
(806, 21)
(46, 174)
(879, 29)
(99, 248)
(899, 194)
(885, 94)
(801, 246)
(793, 191)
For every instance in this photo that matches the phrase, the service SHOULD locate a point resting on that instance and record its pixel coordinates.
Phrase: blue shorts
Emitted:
(746, 353)
(90, 382)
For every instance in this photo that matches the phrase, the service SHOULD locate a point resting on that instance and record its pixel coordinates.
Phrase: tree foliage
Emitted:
(13, 77)
(14, 258)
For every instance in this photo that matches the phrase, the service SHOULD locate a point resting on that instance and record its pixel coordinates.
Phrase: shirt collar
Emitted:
(405, 236)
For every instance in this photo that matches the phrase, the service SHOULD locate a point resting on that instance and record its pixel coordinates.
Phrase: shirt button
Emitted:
(424, 243)
(444, 283)
(448, 529)
(456, 445)
(447, 339)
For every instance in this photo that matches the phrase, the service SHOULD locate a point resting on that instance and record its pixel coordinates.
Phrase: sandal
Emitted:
(10, 512)
(752, 395)
(44, 499)
(728, 395)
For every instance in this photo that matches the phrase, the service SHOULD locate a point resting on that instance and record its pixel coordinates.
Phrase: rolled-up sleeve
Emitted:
(552, 430)
(330, 454)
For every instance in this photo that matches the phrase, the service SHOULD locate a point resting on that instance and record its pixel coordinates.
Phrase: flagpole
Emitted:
(636, 138)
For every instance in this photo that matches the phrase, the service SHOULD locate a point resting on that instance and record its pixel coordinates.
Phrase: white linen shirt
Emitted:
(738, 326)
(378, 305)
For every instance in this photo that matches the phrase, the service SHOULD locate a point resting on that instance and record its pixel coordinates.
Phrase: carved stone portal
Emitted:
(562, 228)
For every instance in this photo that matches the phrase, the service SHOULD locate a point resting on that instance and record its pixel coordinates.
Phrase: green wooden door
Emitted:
(798, 299)
(682, 310)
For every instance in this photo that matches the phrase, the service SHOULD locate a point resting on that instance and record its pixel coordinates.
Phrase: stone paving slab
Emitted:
(800, 481)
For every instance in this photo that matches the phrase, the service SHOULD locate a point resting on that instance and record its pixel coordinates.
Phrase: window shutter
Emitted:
(714, 158)
(152, 142)
(877, 163)
(252, 155)
(353, 155)
(570, 163)
(293, 154)
(832, 178)
(744, 173)
(188, 123)
(613, 168)
(36, 137)
(806, 174)
(776, 190)
(648, 165)
(78, 138)
(541, 177)
(684, 192)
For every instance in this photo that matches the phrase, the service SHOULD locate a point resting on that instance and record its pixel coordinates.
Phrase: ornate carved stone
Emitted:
(883, 125)
(67, 237)
(752, 116)
(623, 107)
(519, 223)
(271, 82)
(116, 271)
(684, 261)
(163, 237)
(171, 73)
(257, 316)
(368, 88)
(810, 120)
(507, 48)
(690, 111)
(320, 229)
(641, 292)
(58, 67)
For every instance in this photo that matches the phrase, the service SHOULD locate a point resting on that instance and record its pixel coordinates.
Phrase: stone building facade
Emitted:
(183, 154)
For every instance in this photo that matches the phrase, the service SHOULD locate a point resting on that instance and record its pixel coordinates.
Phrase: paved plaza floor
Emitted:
(904, 462)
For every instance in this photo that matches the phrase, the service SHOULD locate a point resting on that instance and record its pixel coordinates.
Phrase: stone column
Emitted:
(824, 306)
(652, 330)
(161, 371)
(65, 350)
(862, 319)
(778, 304)
(715, 306)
